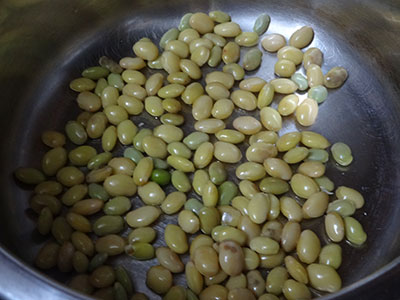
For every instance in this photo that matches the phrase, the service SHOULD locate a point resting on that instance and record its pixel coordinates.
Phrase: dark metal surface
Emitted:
(44, 44)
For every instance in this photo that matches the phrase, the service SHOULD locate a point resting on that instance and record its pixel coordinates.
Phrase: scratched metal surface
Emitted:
(44, 44)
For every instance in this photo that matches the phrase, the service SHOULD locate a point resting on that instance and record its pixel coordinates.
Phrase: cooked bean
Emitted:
(82, 243)
(300, 80)
(189, 67)
(271, 119)
(354, 231)
(122, 276)
(324, 278)
(132, 63)
(316, 205)
(227, 191)
(284, 85)
(252, 59)
(223, 78)
(201, 22)
(176, 239)
(215, 56)
(273, 42)
(247, 125)
(347, 193)
(296, 155)
(109, 138)
(210, 194)
(173, 203)
(107, 225)
(222, 109)
(264, 245)
(194, 279)
(344, 208)
(240, 293)
(70, 176)
(80, 262)
(319, 93)
(307, 112)
(230, 136)
(224, 233)
(229, 215)
(314, 140)
(296, 269)
(290, 235)
(259, 207)
(202, 107)
(255, 282)
(272, 261)
(206, 260)
(169, 260)
(88, 206)
(247, 39)
(325, 184)
(179, 78)
(318, 155)
(250, 171)
(82, 84)
(143, 170)
(188, 35)
(111, 244)
(251, 259)
(176, 292)
(288, 105)
(315, 76)
(47, 256)
(259, 152)
(120, 185)
(143, 216)
(272, 229)
(98, 175)
(235, 70)
(81, 284)
(230, 53)
(291, 209)
(261, 24)
(234, 282)
(335, 77)
(275, 280)
(288, 141)
(342, 154)
(226, 152)
(312, 56)
(216, 39)
(78, 222)
(294, 290)
(331, 255)
(241, 203)
(109, 96)
(302, 37)
(248, 189)
(29, 175)
(214, 291)
(284, 68)
(219, 16)
(145, 49)
(231, 258)
(142, 234)
(209, 125)
(312, 169)
(244, 100)
(45, 221)
(188, 221)
(217, 91)
(278, 168)
(140, 251)
(200, 178)
(102, 277)
(98, 260)
(209, 218)
(61, 230)
(159, 279)
(200, 55)
(227, 29)
(303, 186)
(308, 246)
(100, 86)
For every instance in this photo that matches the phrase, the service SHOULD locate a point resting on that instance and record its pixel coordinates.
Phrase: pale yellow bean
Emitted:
(252, 84)
(248, 188)
(303, 186)
(272, 261)
(120, 185)
(169, 260)
(214, 291)
(203, 155)
(191, 68)
(194, 279)
(331, 255)
(200, 55)
(334, 227)
(346, 193)
(173, 202)
(159, 279)
(271, 119)
(236, 282)
(294, 290)
(314, 140)
(180, 163)
(315, 76)
(228, 29)
(192, 92)
(308, 246)
(230, 136)
(284, 68)
(295, 155)
(302, 37)
(235, 70)
(209, 125)
(290, 235)
(247, 125)
(154, 83)
(201, 22)
(241, 293)
(188, 221)
(132, 63)
(288, 105)
(134, 90)
(284, 86)
(210, 194)
(247, 39)
(206, 260)
(222, 109)
(244, 100)
(145, 49)
(275, 280)
(220, 77)
(291, 53)
(307, 112)
(251, 259)
(324, 278)
(176, 239)
(217, 91)
(188, 35)
(259, 152)
(201, 42)
(231, 258)
(131, 104)
(216, 279)
(312, 56)
(296, 269)
(259, 207)
(133, 76)
(278, 168)
(143, 170)
(151, 193)
(154, 146)
(264, 245)
(265, 96)
(250, 171)
(231, 53)
(291, 209)
(226, 152)
(200, 178)
(240, 203)
(255, 282)
(288, 141)
(168, 133)
(316, 205)
(179, 48)
(172, 105)
(198, 241)
(251, 229)
(273, 42)
(269, 137)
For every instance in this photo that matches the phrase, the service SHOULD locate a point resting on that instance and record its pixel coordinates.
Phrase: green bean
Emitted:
(342, 154)
(227, 191)
(95, 72)
(252, 59)
(193, 205)
(97, 191)
(261, 24)
(184, 22)
(29, 175)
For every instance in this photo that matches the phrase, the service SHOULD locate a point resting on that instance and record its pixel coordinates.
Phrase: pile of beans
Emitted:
(245, 228)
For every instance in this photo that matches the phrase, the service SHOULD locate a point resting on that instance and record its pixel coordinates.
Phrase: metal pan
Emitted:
(44, 44)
